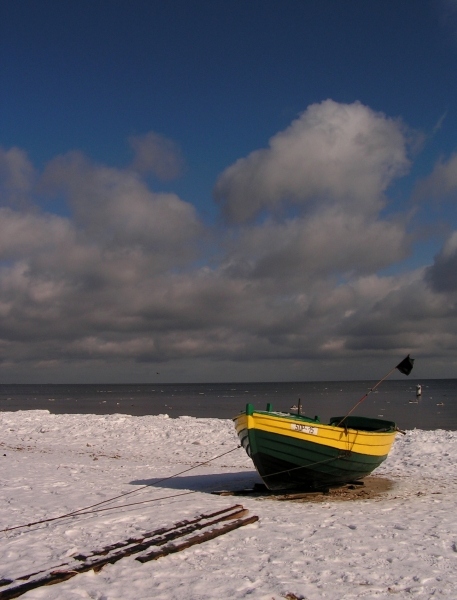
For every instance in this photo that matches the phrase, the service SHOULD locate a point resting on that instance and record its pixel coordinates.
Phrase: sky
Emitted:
(227, 191)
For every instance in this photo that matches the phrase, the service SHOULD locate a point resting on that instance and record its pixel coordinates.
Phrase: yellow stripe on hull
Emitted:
(372, 443)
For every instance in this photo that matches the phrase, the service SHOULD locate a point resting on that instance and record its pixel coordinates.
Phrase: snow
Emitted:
(401, 544)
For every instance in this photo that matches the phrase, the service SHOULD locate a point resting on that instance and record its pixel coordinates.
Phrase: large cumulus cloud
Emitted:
(119, 279)
(345, 154)
(77, 286)
(117, 207)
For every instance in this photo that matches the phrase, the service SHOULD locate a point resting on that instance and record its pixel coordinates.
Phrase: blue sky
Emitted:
(244, 190)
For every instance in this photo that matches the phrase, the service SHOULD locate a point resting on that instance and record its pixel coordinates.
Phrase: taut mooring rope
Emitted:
(87, 508)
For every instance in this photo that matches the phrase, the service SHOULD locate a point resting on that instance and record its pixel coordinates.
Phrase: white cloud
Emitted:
(63, 279)
(409, 317)
(441, 183)
(120, 283)
(157, 154)
(332, 154)
(23, 234)
(16, 176)
(115, 208)
(331, 242)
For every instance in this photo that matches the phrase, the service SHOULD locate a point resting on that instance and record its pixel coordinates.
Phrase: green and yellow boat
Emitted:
(294, 451)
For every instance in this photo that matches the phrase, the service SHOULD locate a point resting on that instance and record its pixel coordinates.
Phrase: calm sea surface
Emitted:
(394, 400)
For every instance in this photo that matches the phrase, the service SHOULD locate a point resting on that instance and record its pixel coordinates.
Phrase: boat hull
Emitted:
(292, 451)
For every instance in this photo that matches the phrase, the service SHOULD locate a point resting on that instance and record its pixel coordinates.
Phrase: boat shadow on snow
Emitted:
(250, 484)
(205, 483)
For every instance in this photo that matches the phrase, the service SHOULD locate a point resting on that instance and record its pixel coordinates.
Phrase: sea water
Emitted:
(394, 400)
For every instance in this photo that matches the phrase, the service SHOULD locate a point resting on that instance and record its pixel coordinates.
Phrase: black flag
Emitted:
(406, 365)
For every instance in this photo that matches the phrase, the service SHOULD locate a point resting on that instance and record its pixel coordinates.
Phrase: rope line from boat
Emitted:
(86, 509)
(341, 455)
(405, 367)
(97, 510)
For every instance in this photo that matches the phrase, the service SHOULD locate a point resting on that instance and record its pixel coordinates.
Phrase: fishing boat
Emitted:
(295, 451)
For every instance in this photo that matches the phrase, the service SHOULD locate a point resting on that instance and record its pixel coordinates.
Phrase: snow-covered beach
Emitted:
(400, 544)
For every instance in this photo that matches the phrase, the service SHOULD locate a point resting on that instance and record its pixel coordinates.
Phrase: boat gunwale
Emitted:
(286, 417)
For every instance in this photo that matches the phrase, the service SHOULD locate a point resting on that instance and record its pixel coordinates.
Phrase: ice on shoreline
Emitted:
(402, 544)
